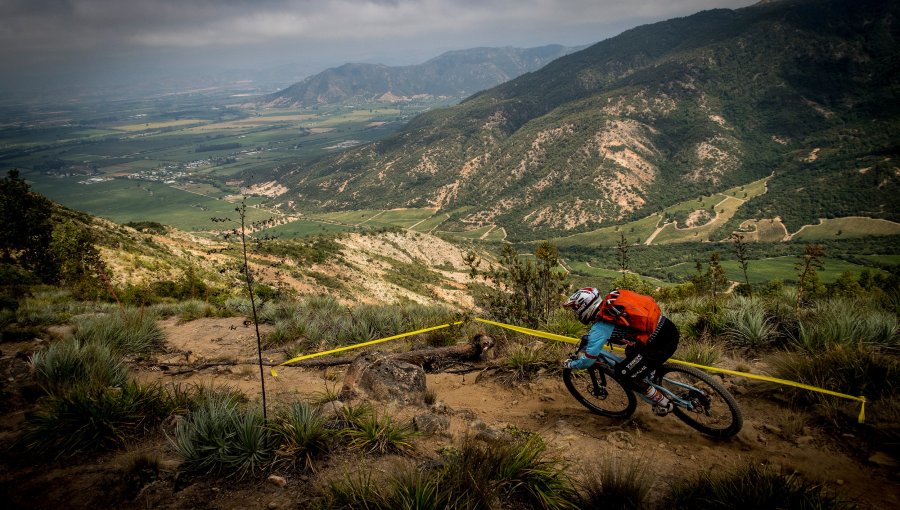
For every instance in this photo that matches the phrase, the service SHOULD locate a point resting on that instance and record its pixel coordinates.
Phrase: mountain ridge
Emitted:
(647, 118)
(457, 73)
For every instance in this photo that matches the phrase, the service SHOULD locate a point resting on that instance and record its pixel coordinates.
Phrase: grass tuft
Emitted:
(132, 333)
(752, 486)
(68, 363)
(701, 352)
(616, 483)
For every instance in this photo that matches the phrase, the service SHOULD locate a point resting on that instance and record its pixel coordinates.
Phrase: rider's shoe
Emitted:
(663, 409)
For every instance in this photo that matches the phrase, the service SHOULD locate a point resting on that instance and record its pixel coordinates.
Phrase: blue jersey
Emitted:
(600, 334)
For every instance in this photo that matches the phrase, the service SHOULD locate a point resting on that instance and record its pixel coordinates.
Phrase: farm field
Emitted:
(724, 210)
(635, 232)
(778, 268)
(846, 227)
(304, 228)
(199, 149)
(126, 200)
(585, 269)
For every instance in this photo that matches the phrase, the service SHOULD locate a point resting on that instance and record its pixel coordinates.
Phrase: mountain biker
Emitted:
(644, 353)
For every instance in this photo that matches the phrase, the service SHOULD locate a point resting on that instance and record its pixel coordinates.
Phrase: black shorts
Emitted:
(641, 359)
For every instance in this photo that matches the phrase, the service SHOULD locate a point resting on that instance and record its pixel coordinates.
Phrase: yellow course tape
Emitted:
(570, 340)
(551, 336)
(364, 344)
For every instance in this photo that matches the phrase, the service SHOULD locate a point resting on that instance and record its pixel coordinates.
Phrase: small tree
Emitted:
(807, 270)
(472, 261)
(248, 279)
(700, 279)
(525, 292)
(716, 275)
(25, 226)
(740, 249)
(549, 282)
(622, 247)
(77, 261)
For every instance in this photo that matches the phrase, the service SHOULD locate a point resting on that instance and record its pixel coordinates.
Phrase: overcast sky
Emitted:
(49, 39)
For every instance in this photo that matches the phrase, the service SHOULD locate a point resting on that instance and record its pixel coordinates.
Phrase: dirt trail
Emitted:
(670, 450)
(772, 433)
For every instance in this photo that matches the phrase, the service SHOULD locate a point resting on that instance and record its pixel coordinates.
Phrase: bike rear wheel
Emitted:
(600, 392)
(715, 412)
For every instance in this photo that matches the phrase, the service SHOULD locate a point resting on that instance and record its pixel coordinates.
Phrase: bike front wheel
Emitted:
(713, 411)
(599, 392)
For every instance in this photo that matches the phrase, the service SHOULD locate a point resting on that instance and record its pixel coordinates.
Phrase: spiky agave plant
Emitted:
(92, 418)
(379, 434)
(748, 326)
(302, 434)
(221, 436)
(515, 473)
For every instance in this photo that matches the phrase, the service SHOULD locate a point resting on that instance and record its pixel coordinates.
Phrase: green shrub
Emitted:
(252, 446)
(411, 488)
(752, 486)
(353, 491)
(194, 309)
(68, 363)
(563, 322)
(372, 433)
(55, 307)
(526, 360)
(506, 474)
(686, 321)
(131, 332)
(616, 483)
(833, 323)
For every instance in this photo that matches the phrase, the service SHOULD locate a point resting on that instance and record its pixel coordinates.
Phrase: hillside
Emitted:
(803, 89)
(453, 74)
(156, 395)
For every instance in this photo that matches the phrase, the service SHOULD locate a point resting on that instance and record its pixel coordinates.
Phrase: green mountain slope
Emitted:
(454, 74)
(807, 90)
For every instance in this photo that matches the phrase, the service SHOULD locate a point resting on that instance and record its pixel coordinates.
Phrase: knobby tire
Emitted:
(716, 415)
(619, 402)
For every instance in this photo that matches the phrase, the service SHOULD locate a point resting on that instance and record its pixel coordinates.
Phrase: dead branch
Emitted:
(431, 359)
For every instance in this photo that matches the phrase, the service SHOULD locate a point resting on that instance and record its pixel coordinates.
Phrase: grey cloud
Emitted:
(93, 37)
(65, 25)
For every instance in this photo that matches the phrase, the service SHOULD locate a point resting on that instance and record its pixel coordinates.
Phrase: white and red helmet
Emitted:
(585, 303)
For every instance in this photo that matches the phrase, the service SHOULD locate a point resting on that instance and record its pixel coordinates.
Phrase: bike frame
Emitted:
(611, 359)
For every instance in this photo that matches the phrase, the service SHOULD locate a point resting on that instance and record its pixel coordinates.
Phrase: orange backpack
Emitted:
(635, 311)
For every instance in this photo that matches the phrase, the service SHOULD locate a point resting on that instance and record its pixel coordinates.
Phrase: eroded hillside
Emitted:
(646, 119)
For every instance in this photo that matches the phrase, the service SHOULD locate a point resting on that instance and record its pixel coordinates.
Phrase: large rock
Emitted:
(430, 424)
(379, 377)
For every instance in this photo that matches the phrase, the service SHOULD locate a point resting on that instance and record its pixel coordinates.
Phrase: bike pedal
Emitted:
(662, 410)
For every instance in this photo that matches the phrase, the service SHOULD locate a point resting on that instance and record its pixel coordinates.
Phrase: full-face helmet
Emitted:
(585, 302)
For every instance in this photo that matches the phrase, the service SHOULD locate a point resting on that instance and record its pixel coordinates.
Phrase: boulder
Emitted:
(430, 424)
(383, 378)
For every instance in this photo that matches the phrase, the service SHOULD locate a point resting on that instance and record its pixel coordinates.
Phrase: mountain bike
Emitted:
(699, 400)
